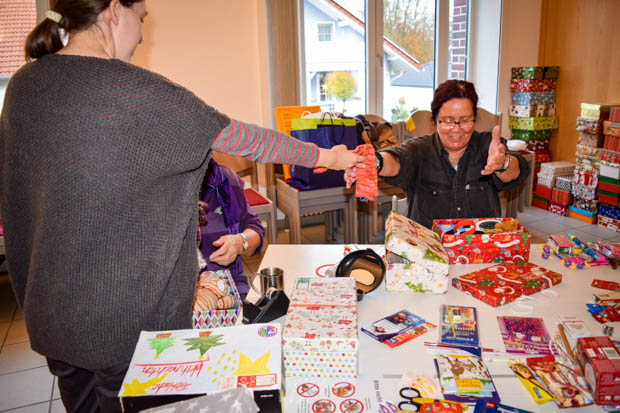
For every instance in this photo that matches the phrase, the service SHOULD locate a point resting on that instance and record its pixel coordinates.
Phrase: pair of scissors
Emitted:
(414, 402)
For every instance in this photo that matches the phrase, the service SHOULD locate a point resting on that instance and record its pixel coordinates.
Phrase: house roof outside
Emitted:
(411, 78)
(17, 19)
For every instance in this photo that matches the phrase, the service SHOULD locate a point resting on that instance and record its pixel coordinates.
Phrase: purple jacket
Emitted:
(229, 213)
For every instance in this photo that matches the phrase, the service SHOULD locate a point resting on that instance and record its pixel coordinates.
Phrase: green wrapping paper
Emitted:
(531, 135)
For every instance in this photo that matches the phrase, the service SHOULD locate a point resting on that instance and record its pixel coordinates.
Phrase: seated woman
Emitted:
(455, 172)
(231, 227)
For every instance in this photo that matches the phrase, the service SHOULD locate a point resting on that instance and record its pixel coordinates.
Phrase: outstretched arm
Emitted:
(498, 158)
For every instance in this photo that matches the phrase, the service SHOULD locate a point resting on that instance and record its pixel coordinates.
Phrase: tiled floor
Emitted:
(26, 386)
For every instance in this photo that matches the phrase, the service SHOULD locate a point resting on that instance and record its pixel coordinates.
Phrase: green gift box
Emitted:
(535, 72)
(535, 123)
(531, 135)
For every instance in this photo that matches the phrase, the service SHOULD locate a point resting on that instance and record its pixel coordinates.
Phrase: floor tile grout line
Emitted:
(27, 405)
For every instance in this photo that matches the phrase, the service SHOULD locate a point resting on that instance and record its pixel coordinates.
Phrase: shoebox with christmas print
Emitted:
(590, 139)
(320, 330)
(532, 85)
(530, 135)
(611, 128)
(418, 261)
(537, 123)
(483, 240)
(608, 222)
(168, 366)
(528, 111)
(217, 302)
(596, 111)
(532, 98)
(504, 283)
(558, 208)
(535, 72)
(594, 126)
(600, 360)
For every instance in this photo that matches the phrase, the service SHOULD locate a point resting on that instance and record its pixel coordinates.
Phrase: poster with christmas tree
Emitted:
(186, 362)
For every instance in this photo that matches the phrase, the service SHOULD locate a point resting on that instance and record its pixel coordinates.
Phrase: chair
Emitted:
(263, 206)
(295, 203)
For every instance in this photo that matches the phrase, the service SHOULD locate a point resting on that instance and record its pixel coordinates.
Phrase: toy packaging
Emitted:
(458, 325)
(601, 361)
(483, 240)
(524, 335)
(504, 283)
(392, 325)
(568, 388)
(533, 386)
(320, 330)
(416, 260)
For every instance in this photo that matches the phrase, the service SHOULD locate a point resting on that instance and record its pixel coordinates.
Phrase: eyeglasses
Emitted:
(449, 124)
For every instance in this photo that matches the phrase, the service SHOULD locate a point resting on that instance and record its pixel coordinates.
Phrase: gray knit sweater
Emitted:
(100, 167)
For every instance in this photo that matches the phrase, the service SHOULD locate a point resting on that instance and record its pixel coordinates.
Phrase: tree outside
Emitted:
(410, 24)
(341, 85)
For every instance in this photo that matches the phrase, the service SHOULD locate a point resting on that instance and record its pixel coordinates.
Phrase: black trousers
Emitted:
(86, 391)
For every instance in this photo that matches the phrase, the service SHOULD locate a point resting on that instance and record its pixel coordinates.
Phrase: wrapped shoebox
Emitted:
(505, 282)
(614, 114)
(561, 197)
(597, 111)
(581, 214)
(530, 135)
(612, 143)
(611, 128)
(535, 72)
(590, 125)
(539, 202)
(604, 186)
(611, 181)
(527, 111)
(590, 205)
(174, 364)
(609, 223)
(584, 163)
(600, 359)
(565, 183)
(609, 156)
(532, 98)
(537, 145)
(557, 168)
(609, 211)
(479, 240)
(532, 85)
(584, 191)
(585, 177)
(219, 318)
(584, 150)
(543, 189)
(542, 156)
(608, 198)
(610, 171)
(547, 122)
(426, 260)
(558, 208)
(590, 139)
(320, 330)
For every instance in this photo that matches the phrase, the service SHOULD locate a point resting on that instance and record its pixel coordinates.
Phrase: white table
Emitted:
(376, 359)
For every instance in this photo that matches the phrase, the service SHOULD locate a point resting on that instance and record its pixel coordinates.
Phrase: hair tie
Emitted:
(52, 15)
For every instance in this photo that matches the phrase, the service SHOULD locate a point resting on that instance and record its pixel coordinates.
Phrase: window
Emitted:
(417, 43)
(325, 31)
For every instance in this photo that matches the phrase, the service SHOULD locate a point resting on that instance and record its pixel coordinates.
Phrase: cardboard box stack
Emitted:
(609, 180)
(546, 178)
(532, 109)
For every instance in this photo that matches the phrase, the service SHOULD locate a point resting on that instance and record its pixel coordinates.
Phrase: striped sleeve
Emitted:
(265, 145)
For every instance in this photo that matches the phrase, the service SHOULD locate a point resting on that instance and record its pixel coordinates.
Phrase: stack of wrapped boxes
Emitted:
(561, 195)
(546, 183)
(609, 180)
(532, 110)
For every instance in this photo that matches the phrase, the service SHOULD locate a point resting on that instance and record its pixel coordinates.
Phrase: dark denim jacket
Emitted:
(436, 190)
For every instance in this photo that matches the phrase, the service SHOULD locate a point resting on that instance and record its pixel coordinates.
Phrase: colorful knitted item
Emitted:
(367, 186)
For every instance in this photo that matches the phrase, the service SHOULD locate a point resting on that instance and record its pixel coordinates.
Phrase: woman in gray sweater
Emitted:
(100, 168)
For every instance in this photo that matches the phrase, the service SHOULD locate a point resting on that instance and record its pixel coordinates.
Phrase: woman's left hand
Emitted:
(497, 154)
(229, 248)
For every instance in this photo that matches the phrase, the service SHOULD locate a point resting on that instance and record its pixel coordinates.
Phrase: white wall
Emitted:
(519, 46)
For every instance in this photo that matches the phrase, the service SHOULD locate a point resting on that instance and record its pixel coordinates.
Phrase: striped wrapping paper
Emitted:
(561, 197)
(585, 178)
